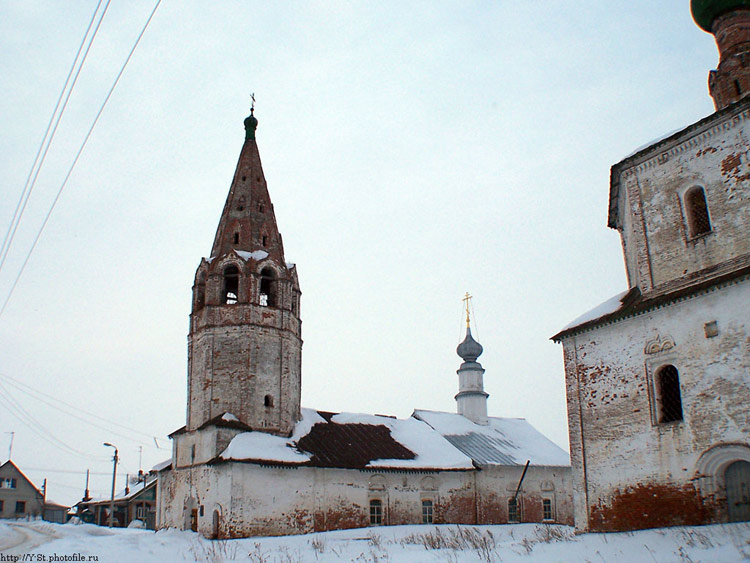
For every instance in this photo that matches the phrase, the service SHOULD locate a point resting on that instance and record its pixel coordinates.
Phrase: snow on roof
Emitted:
(161, 465)
(255, 254)
(351, 440)
(504, 441)
(431, 450)
(609, 306)
(652, 142)
(260, 446)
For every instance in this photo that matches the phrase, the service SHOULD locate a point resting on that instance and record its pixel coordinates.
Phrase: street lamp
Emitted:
(112, 497)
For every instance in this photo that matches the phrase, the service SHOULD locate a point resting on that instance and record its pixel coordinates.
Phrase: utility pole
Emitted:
(44, 497)
(114, 475)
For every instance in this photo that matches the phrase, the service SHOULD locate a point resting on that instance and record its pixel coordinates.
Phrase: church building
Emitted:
(658, 377)
(251, 461)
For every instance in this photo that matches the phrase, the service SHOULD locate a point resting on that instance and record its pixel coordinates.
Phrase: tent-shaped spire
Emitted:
(248, 222)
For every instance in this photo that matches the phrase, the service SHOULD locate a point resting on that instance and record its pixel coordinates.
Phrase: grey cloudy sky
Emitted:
(413, 151)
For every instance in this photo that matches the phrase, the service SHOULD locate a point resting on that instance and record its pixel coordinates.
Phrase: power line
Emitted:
(76, 411)
(78, 155)
(53, 123)
(35, 426)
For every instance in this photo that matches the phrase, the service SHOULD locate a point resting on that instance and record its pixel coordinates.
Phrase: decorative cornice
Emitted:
(662, 150)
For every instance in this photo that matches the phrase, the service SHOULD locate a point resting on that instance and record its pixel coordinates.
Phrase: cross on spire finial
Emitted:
(252, 105)
(466, 300)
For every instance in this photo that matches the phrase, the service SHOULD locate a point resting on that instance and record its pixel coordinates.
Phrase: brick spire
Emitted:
(729, 22)
(248, 222)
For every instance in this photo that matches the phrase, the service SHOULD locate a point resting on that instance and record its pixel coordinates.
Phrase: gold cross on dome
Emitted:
(466, 300)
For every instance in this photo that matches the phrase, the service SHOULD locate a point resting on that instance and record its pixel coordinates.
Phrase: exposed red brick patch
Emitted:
(459, 508)
(651, 505)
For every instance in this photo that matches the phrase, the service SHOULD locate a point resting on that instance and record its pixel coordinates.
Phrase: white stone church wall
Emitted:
(657, 242)
(263, 500)
(621, 455)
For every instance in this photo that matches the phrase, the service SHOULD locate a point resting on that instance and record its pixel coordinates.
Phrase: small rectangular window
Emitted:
(514, 511)
(427, 512)
(546, 509)
(141, 512)
(376, 512)
(8, 483)
(20, 507)
(1, 506)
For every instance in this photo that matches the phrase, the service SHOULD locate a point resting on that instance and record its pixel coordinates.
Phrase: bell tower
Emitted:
(244, 344)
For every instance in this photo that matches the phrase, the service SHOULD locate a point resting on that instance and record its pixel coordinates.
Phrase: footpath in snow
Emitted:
(42, 541)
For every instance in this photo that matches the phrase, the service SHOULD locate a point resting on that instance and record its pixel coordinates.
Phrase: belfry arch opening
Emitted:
(267, 293)
(231, 285)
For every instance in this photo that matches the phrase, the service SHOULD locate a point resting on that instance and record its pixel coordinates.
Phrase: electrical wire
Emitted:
(53, 123)
(74, 411)
(75, 160)
(34, 425)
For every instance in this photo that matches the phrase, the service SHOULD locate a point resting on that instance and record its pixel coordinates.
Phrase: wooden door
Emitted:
(737, 479)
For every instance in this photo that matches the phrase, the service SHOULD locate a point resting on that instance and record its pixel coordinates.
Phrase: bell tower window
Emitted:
(267, 287)
(268, 401)
(236, 238)
(696, 211)
(231, 285)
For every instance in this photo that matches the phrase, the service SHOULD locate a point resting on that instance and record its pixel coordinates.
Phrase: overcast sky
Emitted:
(413, 151)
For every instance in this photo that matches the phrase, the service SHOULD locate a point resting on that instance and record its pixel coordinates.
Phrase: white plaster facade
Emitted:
(235, 499)
(688, 307)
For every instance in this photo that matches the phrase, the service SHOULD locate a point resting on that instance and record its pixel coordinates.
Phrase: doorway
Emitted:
(737, 479)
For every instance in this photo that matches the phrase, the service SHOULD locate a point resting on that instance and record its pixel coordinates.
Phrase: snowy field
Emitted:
(42, 541)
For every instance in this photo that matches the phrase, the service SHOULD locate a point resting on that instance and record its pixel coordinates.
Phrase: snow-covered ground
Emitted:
(41, 541)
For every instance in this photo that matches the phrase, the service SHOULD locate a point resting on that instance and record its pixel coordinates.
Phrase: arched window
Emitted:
(668, 393)
(267, 287)
(231, 285)
(268, 401)
(696, 210)
(427, 511)
(376, 512)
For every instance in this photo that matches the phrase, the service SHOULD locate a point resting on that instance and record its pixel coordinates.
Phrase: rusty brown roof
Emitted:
(350, 445)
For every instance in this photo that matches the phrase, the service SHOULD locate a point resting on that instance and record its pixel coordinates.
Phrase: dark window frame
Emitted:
(547, 509)
(668, 395)
(376, 512)
(697, 213)
(514, 510)
(428, 511)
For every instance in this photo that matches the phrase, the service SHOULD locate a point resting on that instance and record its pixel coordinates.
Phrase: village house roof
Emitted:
(426, 441)
(503, 441)
(10, 468)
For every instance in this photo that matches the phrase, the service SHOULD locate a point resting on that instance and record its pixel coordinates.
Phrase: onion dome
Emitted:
(469, 350)
(706, 11)
(251, 124)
